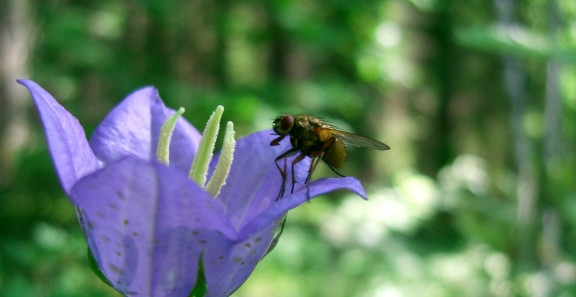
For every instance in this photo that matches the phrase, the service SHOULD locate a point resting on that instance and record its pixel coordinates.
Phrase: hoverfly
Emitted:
(316, 139)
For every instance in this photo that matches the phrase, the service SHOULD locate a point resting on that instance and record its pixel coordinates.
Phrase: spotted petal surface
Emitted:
(147, 224)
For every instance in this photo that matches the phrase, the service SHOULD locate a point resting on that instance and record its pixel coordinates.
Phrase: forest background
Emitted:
(477, 100)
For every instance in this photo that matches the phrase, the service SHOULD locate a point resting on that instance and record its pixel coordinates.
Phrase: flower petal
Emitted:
(318, 187)
(227, 269)
(228, 266)
(133, 127)
(66, 138)
(147, 224)
(254, 180)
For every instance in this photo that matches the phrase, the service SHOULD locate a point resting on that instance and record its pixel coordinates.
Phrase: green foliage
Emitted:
(96, 269)
(200, 287)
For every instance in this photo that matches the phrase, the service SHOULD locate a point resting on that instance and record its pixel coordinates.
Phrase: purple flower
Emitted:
(147, 224)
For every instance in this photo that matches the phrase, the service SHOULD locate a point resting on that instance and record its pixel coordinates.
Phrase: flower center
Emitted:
(199, 168)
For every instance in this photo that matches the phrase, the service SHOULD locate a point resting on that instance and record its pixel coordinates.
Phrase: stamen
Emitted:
(204, 155)
(163, 148)
(218, 179)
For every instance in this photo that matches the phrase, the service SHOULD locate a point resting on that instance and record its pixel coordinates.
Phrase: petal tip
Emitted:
(26, 82)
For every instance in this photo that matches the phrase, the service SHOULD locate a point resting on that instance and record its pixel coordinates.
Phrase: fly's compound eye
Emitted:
(283, 124)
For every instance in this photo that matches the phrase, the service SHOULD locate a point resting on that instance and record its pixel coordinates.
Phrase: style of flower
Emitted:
(151, 229)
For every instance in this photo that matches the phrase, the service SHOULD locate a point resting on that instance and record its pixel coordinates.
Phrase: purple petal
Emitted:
(316, 188)
(127, 129)
(132, 129)
(66, 138)
(227, 267)
(254, 180)
(226, 270)
(147, 224)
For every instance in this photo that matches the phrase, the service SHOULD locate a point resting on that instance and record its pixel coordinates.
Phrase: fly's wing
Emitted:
(335, 154)
(360, 141)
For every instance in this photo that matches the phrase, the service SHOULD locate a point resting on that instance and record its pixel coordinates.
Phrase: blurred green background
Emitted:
(476, 98)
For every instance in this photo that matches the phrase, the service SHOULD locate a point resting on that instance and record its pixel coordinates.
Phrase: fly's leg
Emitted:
(334, 170)
(283, 174)
(298, 159)
(313, 164)
(284, 155)
(276, 141)
(283, 184)
(316, 157)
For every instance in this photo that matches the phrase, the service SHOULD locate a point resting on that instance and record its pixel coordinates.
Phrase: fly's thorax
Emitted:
(304, 129)
(305, 134)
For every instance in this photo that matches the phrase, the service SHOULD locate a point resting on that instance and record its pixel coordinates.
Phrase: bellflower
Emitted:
(151, 229)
